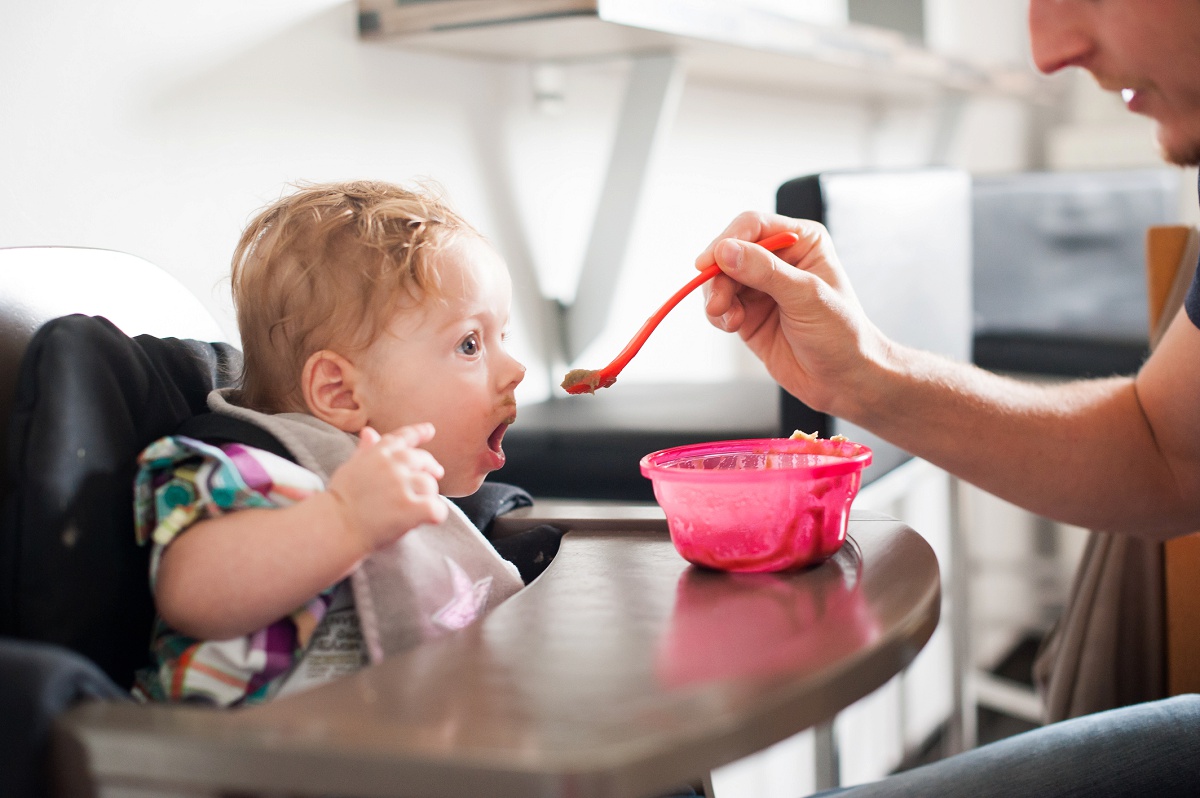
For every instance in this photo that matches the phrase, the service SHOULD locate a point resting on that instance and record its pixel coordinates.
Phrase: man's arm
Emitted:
(1119, 454)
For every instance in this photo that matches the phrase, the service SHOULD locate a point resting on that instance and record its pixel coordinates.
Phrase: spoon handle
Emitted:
(609, 372)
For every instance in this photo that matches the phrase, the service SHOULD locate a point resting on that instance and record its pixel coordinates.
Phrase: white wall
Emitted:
(158, 128)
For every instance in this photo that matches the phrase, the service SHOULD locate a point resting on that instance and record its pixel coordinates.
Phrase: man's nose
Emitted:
(1059, 34)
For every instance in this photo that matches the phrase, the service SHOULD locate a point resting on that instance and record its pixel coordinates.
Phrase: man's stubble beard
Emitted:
(1183, 157)
(1184, 154)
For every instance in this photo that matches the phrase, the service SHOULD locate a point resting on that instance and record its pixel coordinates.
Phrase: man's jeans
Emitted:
(1147, 750)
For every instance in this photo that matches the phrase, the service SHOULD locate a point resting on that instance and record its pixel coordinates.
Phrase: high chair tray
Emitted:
(621, 671)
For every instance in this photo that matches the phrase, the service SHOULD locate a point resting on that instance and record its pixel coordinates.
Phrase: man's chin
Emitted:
(1179, 150)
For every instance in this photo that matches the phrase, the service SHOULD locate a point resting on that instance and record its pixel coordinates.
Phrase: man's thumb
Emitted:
(748, 263)
(729, 254)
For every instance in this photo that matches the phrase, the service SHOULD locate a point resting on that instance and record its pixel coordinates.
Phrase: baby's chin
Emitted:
(457, 487)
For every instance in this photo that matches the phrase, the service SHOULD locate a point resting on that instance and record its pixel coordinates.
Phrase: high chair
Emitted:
(620, 671)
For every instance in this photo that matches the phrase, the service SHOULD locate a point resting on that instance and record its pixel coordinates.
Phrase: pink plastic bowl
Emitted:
(766, 504)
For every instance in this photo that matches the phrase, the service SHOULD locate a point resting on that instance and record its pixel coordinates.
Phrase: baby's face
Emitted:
(445, 362)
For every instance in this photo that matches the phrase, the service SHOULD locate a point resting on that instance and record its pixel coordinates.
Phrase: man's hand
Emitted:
(795, 309)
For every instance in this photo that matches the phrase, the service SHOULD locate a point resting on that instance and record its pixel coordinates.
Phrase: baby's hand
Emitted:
(389, 485)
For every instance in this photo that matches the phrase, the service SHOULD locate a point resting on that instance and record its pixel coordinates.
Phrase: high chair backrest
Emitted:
(79, 398)
(41, 283)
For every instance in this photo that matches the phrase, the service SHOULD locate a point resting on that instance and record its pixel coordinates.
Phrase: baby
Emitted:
(373, 322)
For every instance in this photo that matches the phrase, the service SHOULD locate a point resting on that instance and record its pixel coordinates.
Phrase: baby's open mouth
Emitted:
(497, 437)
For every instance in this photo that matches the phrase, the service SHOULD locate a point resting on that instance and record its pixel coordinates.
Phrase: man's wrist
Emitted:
(871, 387)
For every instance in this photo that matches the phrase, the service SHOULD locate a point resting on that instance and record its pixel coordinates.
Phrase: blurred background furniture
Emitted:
(904, 239)
(1055, 290)
(1056, 296)
(1126, 632)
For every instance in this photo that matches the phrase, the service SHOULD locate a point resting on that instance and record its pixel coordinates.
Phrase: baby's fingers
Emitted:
(420, 501)
(417, 483)
(418, 461)
(405, 437)
(401, 449)
(436, 510)
(413, 434)
(367, 437)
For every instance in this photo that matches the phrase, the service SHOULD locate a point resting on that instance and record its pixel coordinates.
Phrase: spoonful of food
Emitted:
(580, 381)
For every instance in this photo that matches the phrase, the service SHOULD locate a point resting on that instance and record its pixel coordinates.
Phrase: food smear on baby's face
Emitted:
(580, 381)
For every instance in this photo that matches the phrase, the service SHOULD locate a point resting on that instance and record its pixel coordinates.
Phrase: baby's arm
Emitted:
(232, 575)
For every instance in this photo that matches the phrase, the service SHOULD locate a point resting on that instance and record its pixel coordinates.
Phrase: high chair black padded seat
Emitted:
(88, 400)
(74, 602)
(75, 608)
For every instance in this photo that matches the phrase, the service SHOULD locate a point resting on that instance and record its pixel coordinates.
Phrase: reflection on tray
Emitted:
(800, 619)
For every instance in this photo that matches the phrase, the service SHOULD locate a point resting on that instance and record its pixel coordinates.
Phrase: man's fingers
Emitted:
(722, 306)
(754, 267)
(752, 226)
(748, 226)
(729, 253)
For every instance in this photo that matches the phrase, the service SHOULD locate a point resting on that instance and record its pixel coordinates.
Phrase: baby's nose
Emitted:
(516, 371)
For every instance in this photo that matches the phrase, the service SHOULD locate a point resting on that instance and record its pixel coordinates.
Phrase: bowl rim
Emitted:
(653, 467)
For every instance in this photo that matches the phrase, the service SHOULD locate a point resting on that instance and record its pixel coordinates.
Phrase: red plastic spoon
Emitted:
(580, 381)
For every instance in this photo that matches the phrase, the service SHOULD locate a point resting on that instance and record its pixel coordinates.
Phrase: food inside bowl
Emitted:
(798, 435)
(763, 504)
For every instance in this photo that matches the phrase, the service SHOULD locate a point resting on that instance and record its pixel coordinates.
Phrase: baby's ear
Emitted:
(328, 384)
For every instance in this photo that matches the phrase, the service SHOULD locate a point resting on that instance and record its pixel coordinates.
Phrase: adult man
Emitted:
(1120, 454)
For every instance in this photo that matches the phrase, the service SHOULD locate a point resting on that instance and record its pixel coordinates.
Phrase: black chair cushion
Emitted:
(88, 400)
(531, 550)
(39, 681)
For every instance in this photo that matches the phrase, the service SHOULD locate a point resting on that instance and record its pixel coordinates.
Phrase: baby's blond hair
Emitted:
(325, 268)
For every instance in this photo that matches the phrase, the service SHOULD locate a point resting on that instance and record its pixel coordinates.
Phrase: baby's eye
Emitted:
(469, 345)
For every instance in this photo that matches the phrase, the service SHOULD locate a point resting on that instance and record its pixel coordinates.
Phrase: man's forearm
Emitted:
(1080, 452)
